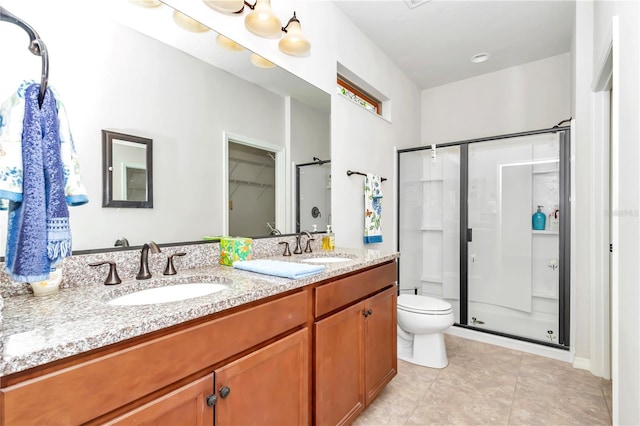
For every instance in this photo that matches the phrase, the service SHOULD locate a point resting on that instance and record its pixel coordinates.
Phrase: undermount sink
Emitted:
(326, 259)
(170, 293)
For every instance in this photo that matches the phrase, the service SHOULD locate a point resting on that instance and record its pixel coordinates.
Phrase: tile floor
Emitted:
(490, 385)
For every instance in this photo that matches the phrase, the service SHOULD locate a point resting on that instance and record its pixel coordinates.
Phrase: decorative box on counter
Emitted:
(232, 249)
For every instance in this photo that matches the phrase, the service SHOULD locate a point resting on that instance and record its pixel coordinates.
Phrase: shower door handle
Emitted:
(469, 235)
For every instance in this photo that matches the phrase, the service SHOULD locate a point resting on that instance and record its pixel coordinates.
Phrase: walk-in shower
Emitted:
(466, 231)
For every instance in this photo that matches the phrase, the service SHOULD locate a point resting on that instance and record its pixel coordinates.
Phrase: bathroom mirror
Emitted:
(178, 88)
(313, 195)
(127, 171)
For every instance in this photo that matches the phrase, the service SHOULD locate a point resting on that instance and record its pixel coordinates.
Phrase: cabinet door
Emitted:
(381, 360)
(267, 387)
(184, 406)
(339, 367)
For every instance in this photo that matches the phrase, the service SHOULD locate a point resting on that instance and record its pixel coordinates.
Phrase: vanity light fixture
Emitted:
(261, 62)
(228, 44)
(226, 6)
(294, 43)
(187, 23)
(262, 22)
(480, 57)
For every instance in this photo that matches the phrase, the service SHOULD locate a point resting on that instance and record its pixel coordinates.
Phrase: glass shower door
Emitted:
(512, 268)
(429, 223)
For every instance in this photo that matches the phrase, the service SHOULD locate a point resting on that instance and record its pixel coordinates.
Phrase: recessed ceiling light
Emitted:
(480, 57)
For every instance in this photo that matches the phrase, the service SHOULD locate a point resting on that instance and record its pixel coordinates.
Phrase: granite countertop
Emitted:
(39, 330)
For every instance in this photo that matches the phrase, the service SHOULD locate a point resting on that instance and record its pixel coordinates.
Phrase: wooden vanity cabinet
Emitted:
(128, 384)
(266, 387)
(331, 344)
(355, 346)
(184, 406)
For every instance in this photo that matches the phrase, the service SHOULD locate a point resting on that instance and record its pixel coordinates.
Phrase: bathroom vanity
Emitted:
(267, 350)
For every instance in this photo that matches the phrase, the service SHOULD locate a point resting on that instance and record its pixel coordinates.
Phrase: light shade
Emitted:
(228, 44)
(225, 6)
(187, 23)
(294, 43)
(262, 22)
(261, 62)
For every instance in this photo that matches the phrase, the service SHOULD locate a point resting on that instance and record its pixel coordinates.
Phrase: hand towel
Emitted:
(372, 209)
(11, 170)
(279, 268)
(38, 234)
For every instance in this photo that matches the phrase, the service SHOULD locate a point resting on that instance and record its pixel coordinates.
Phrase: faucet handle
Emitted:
(287, 252)
(170, 269)
(113, 277)
(308, 248)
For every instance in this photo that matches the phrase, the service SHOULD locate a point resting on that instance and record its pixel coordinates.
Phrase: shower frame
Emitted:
(564, 269)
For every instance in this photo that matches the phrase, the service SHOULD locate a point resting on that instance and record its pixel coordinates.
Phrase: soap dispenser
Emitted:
(539, 220)
(328, 240)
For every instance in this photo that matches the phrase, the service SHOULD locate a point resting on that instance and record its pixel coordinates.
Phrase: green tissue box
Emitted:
(232, 249)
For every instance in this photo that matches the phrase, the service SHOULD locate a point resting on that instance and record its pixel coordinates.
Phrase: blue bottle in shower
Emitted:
(539, 220)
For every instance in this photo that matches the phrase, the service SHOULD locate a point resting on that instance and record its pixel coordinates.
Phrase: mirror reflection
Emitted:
(313, 196)
(127, 171)
(139, 73)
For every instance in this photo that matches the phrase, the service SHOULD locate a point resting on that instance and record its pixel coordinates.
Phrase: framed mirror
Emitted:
(127, 171)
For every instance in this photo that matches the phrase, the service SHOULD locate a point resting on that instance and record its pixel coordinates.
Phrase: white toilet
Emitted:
(421, 322)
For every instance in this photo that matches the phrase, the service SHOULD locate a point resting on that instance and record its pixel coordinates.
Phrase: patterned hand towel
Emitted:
(11, 127)
(39, 235)
(372, 209)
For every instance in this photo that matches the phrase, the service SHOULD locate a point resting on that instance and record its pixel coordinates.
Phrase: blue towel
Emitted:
(278, 268)
(39, 235)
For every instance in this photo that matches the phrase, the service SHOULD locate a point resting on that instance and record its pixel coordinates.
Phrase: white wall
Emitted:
(363, 141)
(310, 133)
(184, 116)
(626, 292)
(527, 97)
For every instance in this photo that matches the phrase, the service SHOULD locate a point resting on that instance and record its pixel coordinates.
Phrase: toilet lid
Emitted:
(425, 304)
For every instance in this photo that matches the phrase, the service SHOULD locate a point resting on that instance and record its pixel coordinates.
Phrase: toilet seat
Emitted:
(423, 305)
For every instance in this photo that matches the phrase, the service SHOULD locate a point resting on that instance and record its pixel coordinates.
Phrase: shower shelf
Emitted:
(432, 279)
(431, 228)
(431, 179)
(545, 232)
(544, 295)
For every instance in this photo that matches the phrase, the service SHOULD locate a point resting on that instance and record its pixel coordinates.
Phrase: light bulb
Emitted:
(294, 43)
(262, 22)
(225, 6)
(261, 62)
(228, 44)
(187, 23)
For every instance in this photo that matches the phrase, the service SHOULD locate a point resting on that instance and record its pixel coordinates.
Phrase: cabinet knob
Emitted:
(211, 400)
(367, 312)
(224, 391)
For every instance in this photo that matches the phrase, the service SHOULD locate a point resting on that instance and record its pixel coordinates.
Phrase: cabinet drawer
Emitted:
(329, 297)
(84, 391)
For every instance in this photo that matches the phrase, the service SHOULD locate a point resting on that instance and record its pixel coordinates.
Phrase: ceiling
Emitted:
(433, 42)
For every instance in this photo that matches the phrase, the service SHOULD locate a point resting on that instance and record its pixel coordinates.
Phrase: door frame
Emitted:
(603, 328)
(280, 189)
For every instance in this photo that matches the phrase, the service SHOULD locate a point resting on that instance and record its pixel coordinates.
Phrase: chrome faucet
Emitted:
(144, 273)
(298, 249)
